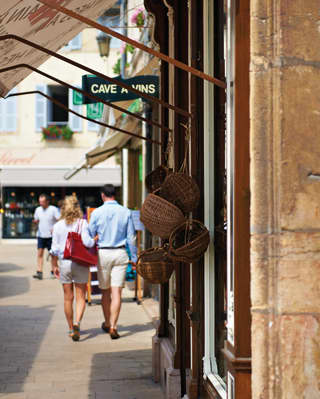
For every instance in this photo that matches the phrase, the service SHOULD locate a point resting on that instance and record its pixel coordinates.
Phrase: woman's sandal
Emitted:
(70, 333)
(113, 333)
(76, 333)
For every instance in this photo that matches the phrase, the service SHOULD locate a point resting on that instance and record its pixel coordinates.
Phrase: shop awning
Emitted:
(49, 176)
(42, 25)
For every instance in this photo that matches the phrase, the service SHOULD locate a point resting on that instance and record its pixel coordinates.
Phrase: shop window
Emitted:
(19, 205)
(49, 113)
(9, 113)
(216, 217)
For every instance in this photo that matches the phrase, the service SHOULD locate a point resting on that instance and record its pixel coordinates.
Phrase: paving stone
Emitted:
(38, 360)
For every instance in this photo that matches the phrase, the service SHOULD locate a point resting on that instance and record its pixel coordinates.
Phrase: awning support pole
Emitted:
(101, 75)
(83, 92)
(134, 43)
(59, 104)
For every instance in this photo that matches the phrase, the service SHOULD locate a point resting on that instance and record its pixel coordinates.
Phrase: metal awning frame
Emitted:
(99, 74)
(59, 104)
(134, 43)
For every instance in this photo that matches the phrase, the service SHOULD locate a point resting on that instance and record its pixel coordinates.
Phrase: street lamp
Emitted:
(104, 45)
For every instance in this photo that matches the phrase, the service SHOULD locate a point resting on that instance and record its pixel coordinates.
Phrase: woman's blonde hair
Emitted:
(70, 210)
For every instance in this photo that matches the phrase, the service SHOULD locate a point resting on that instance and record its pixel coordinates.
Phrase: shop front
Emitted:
(19, 204)
(25, 174)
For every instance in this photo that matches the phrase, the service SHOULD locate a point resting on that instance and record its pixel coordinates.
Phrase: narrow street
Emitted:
(39, 360)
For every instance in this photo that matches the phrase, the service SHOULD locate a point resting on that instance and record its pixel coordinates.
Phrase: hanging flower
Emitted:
(138, 17)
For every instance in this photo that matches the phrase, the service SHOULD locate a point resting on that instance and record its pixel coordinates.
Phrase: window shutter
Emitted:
(41, 108)
(76, 42)
(8, 113)
(75, 122)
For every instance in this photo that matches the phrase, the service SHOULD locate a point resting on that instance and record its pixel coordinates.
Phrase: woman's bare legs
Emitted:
(80, 301)
(68, 304)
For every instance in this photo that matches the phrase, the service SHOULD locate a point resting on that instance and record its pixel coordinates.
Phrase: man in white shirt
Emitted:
(45, 216)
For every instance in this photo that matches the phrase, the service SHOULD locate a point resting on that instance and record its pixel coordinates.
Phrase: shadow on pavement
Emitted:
(21, 333)
(123, 375)
(9, 267)
(13, 285)
(124, 331)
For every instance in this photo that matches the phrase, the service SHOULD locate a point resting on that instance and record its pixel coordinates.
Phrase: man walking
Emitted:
(114, 226)
(45, 216)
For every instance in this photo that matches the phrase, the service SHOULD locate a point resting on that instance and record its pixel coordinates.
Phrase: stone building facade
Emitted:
(285, 193)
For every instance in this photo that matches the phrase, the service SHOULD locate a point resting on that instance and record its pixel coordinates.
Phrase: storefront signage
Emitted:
(8, 158)
(108, 91)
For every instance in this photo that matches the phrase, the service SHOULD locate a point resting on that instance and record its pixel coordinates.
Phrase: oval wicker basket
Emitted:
(155, 266)
(160, 216)
(189, 241)
(154, 179)
(182, 190)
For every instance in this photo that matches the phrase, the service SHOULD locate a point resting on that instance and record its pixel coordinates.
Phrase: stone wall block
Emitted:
(296, 17)
(300, 148)
(299, 356)
(298, 280)
(262, 247)
(261, 355)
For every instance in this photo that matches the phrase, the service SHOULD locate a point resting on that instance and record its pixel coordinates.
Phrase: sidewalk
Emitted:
(39, 360)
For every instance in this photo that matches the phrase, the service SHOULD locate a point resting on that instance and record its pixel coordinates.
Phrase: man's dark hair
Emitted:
(108, 190)
(44, 196)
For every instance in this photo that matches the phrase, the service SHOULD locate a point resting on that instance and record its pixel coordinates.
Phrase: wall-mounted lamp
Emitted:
(104, 45)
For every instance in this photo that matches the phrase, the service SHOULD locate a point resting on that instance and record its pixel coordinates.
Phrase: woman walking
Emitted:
(73, 277)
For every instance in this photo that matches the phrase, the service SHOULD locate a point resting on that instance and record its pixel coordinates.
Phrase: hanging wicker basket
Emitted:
(155, 266)
(154, 180)
(182, 190)
(160, 216)
(189, 241)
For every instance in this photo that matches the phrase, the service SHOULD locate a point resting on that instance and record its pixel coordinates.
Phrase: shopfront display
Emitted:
(19, 204)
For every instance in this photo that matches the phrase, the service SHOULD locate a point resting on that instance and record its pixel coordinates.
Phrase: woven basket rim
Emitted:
(204, 233)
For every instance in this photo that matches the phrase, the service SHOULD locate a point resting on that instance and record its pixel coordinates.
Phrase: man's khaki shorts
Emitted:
(112, 266)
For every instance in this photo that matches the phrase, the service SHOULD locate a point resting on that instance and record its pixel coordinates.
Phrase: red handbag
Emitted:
(77, 252)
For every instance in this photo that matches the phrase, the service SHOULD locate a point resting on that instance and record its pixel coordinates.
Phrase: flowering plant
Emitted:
(55, 132)
(138, 17)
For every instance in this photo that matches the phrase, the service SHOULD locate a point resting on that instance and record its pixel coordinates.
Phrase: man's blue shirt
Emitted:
(114, 226)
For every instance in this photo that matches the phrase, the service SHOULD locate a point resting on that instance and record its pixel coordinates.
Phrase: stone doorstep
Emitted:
(151, 307)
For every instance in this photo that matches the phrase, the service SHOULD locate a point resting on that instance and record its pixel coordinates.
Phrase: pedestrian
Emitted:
(45, 217)
(113, 224)
(73, 277)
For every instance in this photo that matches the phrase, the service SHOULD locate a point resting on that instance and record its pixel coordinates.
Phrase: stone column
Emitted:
(285, 198)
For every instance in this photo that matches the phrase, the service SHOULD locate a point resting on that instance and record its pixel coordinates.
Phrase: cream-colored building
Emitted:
(30, 164)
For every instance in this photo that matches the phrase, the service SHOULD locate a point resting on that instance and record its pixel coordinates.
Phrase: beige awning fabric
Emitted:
(42, 25)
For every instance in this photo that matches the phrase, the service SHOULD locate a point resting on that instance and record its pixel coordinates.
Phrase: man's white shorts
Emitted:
(112, 266)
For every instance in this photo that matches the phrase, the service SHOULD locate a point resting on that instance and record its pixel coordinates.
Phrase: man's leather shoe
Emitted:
(38, 275)
(104, 328)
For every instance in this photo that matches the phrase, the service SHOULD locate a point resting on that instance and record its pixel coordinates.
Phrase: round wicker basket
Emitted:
(182, 190)
(155, 266)
(189, 241)
(160, 216)
(154, 179)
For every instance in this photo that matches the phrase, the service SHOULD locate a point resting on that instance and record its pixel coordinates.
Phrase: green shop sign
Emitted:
(108, 91)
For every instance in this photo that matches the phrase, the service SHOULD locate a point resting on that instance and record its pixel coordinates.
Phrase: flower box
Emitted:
(57, 133)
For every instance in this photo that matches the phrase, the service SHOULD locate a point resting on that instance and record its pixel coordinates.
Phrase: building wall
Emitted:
(26, 139)
(285, 194)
